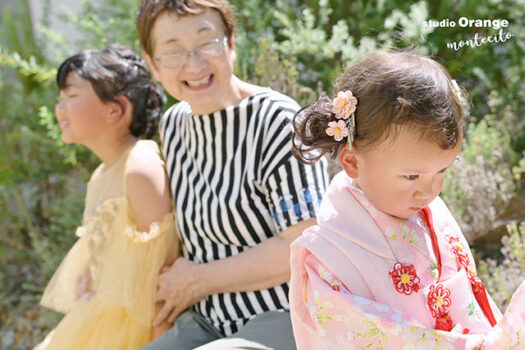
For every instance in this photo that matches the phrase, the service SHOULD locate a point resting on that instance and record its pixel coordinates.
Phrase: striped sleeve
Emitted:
(294, 190)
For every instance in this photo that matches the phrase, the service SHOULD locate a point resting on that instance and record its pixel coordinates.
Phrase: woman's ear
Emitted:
(151, 64)
(231, 47)
(348, 158)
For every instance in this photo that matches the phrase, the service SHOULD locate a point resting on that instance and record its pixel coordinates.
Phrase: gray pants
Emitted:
(270, 330)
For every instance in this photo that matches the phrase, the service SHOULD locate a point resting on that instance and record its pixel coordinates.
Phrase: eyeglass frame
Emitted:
(195, 51)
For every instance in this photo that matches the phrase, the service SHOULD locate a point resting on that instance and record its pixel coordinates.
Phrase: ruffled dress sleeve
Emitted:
(60, 292)
(130, 264)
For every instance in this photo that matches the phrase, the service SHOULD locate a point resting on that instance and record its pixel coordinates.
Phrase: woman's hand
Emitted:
(184, 282)
(179, 286)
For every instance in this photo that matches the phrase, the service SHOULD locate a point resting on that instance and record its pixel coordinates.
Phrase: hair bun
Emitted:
(310, 124)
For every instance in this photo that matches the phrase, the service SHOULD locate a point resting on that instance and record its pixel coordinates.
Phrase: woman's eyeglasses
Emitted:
(178, 58)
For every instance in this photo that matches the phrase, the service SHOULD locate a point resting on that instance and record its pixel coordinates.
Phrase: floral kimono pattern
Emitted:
(362, 279)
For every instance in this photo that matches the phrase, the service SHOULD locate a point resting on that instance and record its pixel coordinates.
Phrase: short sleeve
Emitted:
(293, 190)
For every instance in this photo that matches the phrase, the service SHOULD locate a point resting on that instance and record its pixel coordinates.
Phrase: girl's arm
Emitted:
(148, 191)
(149, 196)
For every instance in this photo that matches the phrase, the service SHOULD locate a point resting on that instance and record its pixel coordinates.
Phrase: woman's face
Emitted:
(203, 77)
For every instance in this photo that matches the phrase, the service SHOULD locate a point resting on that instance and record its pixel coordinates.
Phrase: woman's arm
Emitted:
(263, 266)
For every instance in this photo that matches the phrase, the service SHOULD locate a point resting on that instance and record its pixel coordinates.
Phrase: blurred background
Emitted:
(297, 47)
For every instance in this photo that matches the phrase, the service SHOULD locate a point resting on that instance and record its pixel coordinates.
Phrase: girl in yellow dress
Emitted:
(106, 283)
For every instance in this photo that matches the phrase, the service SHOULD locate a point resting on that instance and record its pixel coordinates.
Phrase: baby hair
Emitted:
(393, 90)
(118, 71)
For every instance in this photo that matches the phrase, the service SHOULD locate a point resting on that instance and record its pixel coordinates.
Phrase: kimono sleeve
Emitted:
(509, 333)
(326, 315)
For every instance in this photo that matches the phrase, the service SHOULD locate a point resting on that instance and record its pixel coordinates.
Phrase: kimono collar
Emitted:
(341, 214)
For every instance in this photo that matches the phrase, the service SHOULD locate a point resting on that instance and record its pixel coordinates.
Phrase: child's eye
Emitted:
(411, 177)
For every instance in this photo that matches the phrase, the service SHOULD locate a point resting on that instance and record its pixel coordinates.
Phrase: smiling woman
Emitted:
(240, 195)
(193, 59)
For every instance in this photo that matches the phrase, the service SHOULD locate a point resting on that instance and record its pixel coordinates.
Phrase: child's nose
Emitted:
(427, 190)
(59, 109)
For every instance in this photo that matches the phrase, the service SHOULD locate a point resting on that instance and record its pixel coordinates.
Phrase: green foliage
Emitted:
(491, 67)
(34, 167)
(102, 23)
(503, 277)
(328, 35)
(29, 69)
(324, 36)
(481, 184)
(16, 32)
(278, 73)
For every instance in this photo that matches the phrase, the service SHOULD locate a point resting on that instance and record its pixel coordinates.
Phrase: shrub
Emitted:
(481, 184)
(504, 276)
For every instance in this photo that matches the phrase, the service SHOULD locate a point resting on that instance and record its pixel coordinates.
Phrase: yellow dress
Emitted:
(121, 261)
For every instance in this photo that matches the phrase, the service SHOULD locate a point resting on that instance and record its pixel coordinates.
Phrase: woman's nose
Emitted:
(194, 61)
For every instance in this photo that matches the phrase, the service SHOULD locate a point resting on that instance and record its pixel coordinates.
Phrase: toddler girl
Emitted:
(107, 281)
(387, 266)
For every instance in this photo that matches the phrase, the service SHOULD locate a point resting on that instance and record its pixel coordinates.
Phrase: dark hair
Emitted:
(118, 71)
(393, 90)
(150, 10)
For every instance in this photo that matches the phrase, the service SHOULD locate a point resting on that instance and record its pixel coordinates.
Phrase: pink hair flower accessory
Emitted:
(343, 107)
(344, 104)
(337, 129)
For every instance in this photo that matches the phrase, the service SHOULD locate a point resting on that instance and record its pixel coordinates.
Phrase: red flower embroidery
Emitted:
(439, 300)
(459, 251)
(405, 278)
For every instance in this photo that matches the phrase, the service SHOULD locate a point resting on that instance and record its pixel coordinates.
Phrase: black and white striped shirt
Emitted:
(236, 184)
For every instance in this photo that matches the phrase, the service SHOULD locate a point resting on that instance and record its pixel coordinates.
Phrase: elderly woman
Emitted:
(240, 195)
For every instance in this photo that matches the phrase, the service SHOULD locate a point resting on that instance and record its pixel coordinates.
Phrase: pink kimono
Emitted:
(362, 279)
